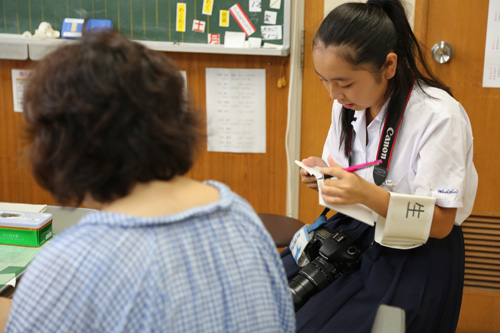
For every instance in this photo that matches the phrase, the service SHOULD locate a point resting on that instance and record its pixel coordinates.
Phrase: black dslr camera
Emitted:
(330, 255)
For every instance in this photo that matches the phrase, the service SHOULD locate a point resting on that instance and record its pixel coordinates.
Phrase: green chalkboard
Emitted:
(150, 20)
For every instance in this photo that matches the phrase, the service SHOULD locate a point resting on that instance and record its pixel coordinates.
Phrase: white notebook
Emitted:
(358, 211)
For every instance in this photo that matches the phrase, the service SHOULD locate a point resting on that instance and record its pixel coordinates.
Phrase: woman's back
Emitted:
(213, 268)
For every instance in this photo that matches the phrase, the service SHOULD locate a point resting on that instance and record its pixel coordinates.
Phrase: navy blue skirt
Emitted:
(426, 282)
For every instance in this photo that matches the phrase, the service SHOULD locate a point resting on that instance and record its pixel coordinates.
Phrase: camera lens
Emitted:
(333, 255)
(313, 277)
(301, 289)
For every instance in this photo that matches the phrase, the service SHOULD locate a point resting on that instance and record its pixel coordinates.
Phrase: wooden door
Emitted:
(462, 23)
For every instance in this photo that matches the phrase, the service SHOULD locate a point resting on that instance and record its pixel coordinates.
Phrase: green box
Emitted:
(24, 228)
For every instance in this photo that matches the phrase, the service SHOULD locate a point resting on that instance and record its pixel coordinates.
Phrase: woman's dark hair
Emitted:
(368, 32)
(104, 114)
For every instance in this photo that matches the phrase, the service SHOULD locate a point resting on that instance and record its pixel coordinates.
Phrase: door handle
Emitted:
(442, 52)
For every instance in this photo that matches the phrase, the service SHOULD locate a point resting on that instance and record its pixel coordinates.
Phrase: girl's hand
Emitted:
(344, 187)
(305, 177)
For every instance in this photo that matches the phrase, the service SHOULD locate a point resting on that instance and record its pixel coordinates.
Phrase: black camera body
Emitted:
(330, 255)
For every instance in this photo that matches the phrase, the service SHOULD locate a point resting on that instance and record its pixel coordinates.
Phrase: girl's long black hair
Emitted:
(370, 31)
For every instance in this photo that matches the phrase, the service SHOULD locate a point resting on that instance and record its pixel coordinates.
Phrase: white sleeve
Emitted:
(445, 168)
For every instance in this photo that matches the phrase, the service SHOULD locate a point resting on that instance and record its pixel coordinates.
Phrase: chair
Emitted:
(389, 319)
(281, 227)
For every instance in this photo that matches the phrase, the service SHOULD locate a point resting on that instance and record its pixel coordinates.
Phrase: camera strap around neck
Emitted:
(386, 144)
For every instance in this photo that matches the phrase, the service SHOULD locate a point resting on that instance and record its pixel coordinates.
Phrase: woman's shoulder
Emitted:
(241, 211)
(227, 196)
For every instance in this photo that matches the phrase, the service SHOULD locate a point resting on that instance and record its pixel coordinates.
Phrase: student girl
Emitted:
(389, 106)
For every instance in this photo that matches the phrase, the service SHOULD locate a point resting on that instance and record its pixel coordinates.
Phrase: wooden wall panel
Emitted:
(479, 313)
(259, 178)
(316, 113)
(16, 182)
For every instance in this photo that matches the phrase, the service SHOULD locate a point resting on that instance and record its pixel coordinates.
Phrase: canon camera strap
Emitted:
(386, 145)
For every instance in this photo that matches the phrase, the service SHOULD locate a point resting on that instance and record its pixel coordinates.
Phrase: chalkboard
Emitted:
(151, 20)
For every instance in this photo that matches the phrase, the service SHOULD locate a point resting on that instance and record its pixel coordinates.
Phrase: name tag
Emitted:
(298, 244)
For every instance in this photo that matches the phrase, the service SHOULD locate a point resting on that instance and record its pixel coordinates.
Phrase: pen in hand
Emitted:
(358, 167)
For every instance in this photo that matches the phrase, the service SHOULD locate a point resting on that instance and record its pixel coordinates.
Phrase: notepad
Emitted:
(357, 211)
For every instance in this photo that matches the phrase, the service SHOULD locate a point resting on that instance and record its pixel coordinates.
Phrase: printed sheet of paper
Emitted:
(236, 110)
(255, 5)
(19, 79)
(270, 17)
(234, 39)
(357, 211)
(491, 73)
(275, 4)
(181, 17)
(242, 19)
(224, 18)
(271, 32)
(208, 6)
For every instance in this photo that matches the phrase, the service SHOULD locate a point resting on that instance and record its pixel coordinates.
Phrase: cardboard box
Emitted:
(24, 228)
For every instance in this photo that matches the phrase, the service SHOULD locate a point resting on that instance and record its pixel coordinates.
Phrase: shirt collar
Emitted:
(359, 123)
(102, 218)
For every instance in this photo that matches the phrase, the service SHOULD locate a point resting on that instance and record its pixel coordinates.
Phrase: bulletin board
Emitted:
(156, 20)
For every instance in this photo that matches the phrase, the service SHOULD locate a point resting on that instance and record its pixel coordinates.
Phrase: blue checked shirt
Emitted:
(209, 269)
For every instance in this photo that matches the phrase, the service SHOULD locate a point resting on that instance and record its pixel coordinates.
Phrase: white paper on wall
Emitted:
(236, 110)
(491, 72)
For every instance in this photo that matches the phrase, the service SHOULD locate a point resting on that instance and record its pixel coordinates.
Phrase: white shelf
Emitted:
(13, 47)
(218, 49)
(39, 48)
(16, 47)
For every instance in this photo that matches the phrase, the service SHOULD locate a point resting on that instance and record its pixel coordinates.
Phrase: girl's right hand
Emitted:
(305, 177)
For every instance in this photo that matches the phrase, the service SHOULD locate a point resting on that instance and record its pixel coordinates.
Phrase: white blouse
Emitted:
(432, 153)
